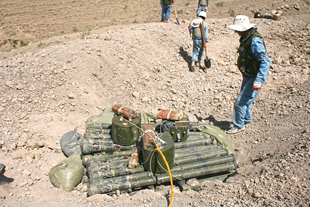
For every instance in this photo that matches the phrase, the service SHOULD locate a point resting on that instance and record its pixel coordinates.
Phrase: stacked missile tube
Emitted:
(111, 166)
(197, 157)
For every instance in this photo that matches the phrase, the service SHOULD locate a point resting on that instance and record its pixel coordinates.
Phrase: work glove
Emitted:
(205, 46)
(257, 85)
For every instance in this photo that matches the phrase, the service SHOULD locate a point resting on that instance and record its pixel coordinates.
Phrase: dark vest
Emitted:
(203, 2)
(197, 30)
(248, 65)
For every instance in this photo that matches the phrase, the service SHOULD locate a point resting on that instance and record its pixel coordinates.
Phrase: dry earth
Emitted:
(123, 54)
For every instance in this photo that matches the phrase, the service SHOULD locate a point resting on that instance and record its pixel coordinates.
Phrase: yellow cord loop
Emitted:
(168, 168)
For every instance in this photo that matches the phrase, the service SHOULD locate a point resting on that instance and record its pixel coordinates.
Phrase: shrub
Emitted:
(219, 4)
(231, 13)
(22, 44)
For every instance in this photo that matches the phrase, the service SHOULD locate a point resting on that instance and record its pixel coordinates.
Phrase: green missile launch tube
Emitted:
(98, 126)
(98, 136)
(106, 155)
(201, 156)
(160, 179)
(176, 169)
(112, 161)
(93, 164)
(101, 146)
(194, 150)
(191, 143)
(104, 169)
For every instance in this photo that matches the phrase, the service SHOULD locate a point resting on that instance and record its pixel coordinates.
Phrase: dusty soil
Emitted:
(84, 56)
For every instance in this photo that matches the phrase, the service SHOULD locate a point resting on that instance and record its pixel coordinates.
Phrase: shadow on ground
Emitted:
(223, 125)
(4, 179)
(185, 56)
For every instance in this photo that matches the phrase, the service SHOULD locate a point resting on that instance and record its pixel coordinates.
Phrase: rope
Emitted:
(119, 110)
(168, 116)
(151, 154)
(148, 130)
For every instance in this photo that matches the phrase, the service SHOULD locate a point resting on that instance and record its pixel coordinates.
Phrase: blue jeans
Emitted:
(165, 11)
(242, 107)
(201, 8)
(198, 49)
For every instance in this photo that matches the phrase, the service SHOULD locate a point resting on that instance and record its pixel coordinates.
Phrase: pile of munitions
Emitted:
(122, 156)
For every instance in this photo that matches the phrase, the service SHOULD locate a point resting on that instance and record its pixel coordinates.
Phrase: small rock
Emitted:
(118, 193)
(247, 183)
(294, 179)
(257, 195)
(135, 94)
(173, 91)
(71, 96)
(145, 99)
(297, 7)
(13, 146)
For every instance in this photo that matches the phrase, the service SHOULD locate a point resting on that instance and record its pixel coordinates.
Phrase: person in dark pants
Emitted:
(166, 8)
(202, 6)
(253, 62)
(198, 28)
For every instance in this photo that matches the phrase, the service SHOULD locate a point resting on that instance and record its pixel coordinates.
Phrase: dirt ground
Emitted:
(65, 61)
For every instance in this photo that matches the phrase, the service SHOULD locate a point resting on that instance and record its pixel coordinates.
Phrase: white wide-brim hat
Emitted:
(241, 24)
(196, 22)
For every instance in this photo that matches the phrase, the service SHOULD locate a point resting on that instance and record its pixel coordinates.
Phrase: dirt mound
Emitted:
(48, 91)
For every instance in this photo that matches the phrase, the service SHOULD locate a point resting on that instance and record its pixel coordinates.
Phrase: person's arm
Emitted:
(259, 51)
(191, 30)
(207, 3)
(198, 3)
(206, 32)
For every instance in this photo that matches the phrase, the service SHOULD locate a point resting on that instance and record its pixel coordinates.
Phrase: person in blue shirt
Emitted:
(253, 62)
(202, 6)
(199, 31)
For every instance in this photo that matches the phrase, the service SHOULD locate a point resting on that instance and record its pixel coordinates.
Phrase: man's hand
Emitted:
(257, 85)
(205, 46)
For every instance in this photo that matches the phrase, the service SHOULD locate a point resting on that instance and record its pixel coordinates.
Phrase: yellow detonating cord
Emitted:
(168, 168)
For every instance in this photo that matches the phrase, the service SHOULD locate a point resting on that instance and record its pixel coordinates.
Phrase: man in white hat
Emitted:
(199, 31)
(253, 62)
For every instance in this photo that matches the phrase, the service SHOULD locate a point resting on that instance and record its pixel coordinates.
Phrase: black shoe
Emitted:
(202, 67)
(234, 130)
(2, 169)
